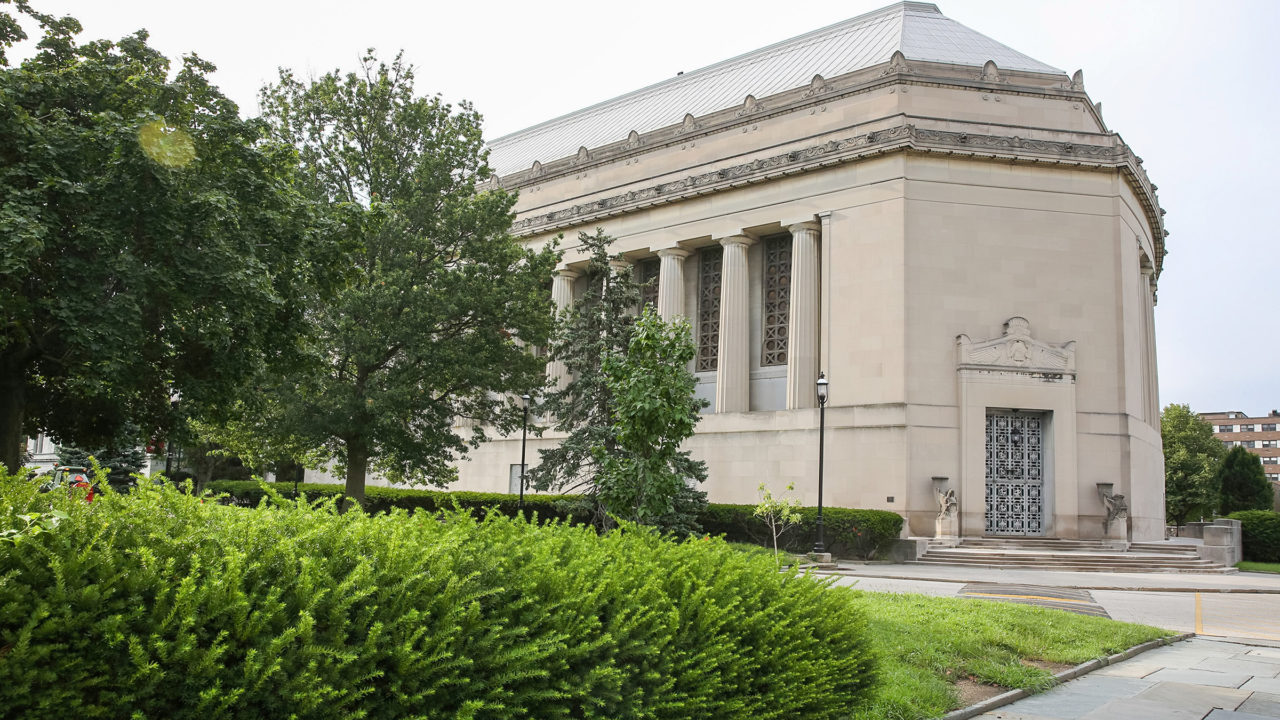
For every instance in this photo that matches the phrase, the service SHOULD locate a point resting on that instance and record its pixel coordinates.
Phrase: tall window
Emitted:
(777, 300)
(648, 278)
(710, 261)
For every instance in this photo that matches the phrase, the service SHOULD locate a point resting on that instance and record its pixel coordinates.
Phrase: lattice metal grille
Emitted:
(648, 277)
(1015, 474)
(710, 261)
(777, 301)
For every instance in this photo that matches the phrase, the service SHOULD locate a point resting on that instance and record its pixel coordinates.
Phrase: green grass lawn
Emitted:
(1259, 567)
(927, 643)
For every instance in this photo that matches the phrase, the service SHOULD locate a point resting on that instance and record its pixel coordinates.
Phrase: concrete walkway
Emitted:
(1196, 679)
(1230, 671)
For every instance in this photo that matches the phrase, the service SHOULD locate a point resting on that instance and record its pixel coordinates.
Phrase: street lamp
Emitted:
(524, 434)
(820, 547)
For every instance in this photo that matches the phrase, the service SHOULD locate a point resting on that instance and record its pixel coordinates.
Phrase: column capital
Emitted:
(807, 226)
(620, 264)
(568, 274)
(1147, 271)
(675, 252)
(742, 240)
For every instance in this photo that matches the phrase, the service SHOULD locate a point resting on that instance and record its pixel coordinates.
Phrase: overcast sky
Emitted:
(1190, 86)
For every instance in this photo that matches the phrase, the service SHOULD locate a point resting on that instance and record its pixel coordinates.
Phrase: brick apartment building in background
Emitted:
(1258, 435)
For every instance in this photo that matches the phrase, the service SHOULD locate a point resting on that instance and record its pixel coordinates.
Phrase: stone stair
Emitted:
(1070, 555)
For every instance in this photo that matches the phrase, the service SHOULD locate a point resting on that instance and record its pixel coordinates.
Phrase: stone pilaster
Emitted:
(802, 323)
(733, 376)
(1149, 343)
(671, 283)
(562, 297)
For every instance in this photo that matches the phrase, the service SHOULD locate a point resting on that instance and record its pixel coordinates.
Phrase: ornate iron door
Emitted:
(1015, 474)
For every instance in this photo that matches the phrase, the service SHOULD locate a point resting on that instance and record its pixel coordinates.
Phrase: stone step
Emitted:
(1010, 553)
(1100, 568)
(1044, 563)
(1171, 548)
(1037, 543)
(1070, 555)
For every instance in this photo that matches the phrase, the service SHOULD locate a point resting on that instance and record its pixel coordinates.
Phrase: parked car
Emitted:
(70, 477)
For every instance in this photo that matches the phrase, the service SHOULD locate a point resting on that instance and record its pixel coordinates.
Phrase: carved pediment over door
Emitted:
(1016, 351)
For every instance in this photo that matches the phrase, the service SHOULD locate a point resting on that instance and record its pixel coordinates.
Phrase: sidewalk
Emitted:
(1152, 582)
(1196, 679)
(1230, 671)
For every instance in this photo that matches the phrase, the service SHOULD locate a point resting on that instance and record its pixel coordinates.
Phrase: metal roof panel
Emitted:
(918, 29)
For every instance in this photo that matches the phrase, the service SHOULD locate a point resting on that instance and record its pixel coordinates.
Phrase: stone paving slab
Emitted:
(1194, 697)
(1233, 715)
(1267, 685)
(1074, 700)
(1199, 677)
(1135, 709)
(1130, 669)
(1236, 665)
(1264, 704)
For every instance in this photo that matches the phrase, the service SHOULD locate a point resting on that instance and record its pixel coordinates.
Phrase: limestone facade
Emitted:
(960, 247)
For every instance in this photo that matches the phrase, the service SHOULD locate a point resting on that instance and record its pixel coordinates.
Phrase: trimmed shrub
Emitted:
(382, 499)
(1261, 531)
(848, 533)
(157, 604)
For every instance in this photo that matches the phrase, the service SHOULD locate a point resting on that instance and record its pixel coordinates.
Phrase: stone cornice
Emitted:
(898, 71)
(1108, 152)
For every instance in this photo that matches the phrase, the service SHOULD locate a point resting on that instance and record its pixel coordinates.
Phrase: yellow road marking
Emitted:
(1199, 616)
(1032, 597)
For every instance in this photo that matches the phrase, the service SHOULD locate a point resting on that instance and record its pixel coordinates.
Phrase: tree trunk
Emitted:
(357, 468)
(12, 406)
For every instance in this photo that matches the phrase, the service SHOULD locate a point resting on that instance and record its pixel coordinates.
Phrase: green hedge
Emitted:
(1261, 530)
(848, 533)
(382, 499)
(158, 604)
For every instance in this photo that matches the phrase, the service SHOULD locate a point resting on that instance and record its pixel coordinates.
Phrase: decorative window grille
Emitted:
(777, 300)
(710, 262)
(648, 278)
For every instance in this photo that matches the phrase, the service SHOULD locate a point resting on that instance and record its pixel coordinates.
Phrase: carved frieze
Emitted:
(1016, 351)
(1111, 152)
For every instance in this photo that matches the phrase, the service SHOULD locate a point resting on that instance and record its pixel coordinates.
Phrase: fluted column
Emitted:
(1149, 341)
(671, 283)
(562, 297)
(802, 323)
(733, 374)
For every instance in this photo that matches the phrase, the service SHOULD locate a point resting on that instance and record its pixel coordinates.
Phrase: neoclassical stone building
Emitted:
(944, 226)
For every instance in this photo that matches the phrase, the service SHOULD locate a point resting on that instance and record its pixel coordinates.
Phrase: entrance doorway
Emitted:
(1015, 473)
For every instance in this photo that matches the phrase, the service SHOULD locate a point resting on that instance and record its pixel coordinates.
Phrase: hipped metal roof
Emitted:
(919, 30)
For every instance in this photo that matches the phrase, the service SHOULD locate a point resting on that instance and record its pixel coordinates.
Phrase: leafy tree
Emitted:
(152, 242)
(121, 457)
(1244, 484)
(439, 300)
(1191, 456)
(779, 514)
(653, 411)
(627, 407)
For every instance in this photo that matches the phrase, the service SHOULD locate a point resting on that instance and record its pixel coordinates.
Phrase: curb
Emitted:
(1070, 674)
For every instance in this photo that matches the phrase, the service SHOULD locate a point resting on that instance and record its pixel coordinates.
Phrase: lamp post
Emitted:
(524, 433)
(819, 546)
